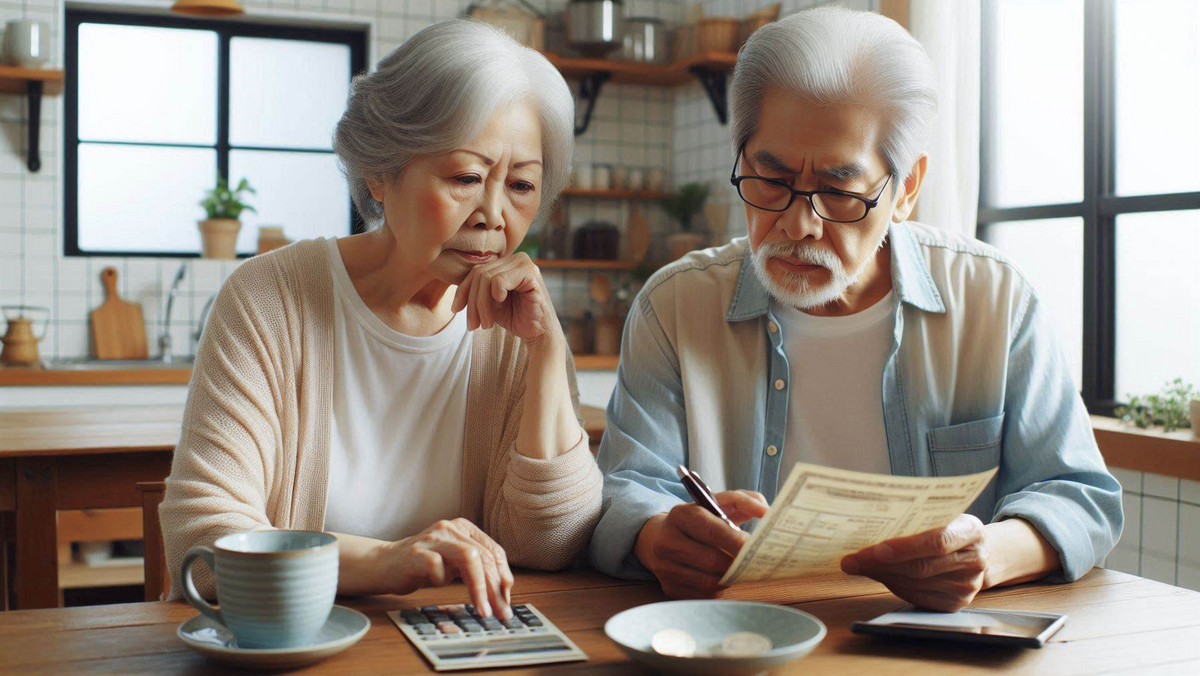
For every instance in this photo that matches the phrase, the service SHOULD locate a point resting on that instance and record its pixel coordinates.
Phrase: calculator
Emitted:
(457, 637)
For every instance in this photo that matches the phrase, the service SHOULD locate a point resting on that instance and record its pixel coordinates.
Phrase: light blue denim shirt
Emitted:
(975, 380)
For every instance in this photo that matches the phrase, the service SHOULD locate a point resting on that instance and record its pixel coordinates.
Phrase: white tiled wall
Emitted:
(631, 126)
(1162, 523)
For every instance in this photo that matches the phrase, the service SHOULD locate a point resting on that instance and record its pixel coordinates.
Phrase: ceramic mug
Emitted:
(583, 177)
(27, 43)
(602, 177)
(275, 587)
(637, 178)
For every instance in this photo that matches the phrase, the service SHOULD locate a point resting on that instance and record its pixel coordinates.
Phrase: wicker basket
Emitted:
(718, 34)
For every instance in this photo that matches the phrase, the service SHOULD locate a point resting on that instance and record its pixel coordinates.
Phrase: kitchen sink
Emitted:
(117, 364)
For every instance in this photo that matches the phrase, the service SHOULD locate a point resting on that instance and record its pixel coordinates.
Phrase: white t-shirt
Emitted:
(399, 406)
(835, 409)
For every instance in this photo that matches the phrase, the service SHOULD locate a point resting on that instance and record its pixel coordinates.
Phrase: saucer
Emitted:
(211, 639)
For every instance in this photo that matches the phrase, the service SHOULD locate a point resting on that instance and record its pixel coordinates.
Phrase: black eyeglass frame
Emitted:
(737, 180)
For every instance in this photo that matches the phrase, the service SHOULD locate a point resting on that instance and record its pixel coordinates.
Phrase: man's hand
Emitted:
(688, 549)
(940, 569)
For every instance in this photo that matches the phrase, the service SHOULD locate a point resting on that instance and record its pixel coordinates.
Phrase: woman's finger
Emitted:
(475, 533)
(480, 298)
(464, 559)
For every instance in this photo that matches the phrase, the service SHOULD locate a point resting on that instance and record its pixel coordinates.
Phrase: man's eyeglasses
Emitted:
(775, 194)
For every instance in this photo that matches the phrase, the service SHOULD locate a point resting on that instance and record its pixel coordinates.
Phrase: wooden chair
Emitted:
(158, 578)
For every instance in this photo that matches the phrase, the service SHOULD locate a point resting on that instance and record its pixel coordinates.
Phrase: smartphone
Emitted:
(970, 625)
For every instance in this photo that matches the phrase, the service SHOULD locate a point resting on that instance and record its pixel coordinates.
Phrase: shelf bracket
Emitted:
(589, 90)
(34, 90)
(714, 86)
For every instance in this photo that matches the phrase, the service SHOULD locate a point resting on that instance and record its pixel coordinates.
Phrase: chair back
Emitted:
(158, 578)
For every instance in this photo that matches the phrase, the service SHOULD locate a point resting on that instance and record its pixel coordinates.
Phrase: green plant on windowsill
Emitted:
(222, 206)
(1168, 409)
(221, 202)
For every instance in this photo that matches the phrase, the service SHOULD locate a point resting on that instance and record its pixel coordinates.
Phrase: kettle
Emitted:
(20, 340)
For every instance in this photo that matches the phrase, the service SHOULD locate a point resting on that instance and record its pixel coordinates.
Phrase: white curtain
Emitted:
(949, 30)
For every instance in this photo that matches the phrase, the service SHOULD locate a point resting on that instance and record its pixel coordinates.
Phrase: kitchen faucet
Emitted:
(164, 337)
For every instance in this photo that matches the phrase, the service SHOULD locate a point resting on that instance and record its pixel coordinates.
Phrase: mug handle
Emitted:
(189, 586)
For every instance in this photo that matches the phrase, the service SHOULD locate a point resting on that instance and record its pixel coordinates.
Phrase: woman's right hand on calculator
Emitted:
(450, 550)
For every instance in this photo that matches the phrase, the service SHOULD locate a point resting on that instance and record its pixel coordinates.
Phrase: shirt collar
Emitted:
(910, 280)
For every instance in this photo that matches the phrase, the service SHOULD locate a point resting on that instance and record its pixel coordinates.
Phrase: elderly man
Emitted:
(837, 333)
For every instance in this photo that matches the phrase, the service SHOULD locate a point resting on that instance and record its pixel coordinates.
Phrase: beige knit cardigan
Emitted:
(254, 450)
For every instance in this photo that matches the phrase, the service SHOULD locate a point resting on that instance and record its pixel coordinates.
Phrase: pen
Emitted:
(701, 495)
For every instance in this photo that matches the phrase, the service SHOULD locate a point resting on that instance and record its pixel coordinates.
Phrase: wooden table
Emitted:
(87, 458)
(58, 459)
(1117, 623)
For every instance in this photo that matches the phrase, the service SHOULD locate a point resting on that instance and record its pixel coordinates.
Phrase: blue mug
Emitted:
(275, 587)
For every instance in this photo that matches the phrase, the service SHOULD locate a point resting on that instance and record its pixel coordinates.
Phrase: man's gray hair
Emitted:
(833, 56)
(437, 91)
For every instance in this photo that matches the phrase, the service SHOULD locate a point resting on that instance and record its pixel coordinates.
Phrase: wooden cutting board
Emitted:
(117, 326)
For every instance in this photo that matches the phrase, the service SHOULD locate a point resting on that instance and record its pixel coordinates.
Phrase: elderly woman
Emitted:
(409, 388)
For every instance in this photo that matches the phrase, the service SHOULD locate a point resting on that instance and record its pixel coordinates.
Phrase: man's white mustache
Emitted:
(804, 253)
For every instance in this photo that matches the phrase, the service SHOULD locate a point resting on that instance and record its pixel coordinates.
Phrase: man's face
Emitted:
(803, 260)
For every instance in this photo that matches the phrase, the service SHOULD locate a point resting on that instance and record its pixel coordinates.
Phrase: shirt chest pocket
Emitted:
(966, 448)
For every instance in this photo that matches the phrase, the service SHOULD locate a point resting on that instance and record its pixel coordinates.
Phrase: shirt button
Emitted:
(779, 384)
(771, 451)
(772, 327)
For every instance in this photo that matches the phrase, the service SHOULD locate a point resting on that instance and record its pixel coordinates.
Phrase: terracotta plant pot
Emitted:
(218, 237)
(680, 243)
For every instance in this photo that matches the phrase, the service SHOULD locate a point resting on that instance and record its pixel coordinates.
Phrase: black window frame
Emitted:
(1100, 205)
(226, 30)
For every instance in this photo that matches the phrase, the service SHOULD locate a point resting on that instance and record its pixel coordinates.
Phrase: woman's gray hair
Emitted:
(437, 91)
(833, 56)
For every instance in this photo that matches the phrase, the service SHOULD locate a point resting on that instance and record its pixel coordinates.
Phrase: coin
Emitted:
(745, 644)
(674, 643)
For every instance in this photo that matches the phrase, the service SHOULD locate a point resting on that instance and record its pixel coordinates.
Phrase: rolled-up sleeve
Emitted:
(1052, 474)
(645, 438)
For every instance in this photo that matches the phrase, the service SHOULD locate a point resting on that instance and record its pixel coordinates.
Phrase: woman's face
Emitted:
(471, 205)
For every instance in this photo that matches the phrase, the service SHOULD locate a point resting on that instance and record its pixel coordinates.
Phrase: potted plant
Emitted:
(1170, 409)
(219, 232)
(683, 206)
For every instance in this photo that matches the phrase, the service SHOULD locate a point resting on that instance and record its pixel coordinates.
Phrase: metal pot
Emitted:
(645, 40)
(595, 27)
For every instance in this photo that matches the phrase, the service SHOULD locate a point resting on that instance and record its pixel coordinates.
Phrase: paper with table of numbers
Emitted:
(822, 514)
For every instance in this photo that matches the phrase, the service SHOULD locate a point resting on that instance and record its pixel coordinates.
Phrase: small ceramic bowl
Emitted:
(792, 633)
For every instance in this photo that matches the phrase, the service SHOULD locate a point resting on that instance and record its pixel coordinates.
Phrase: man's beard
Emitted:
(793, 288)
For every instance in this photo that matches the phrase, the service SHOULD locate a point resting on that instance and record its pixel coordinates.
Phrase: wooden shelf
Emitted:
(33, 83)
(575, 264)
(15, 80)
(634, 72)
(596, 362)
(710, 69)
(614, 194)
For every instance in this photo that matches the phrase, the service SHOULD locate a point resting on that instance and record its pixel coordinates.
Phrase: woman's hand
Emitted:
(940, 569)
(508, 291)
(450, 550)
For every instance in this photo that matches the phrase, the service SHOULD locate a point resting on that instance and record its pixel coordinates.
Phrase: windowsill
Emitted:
(1175, 454)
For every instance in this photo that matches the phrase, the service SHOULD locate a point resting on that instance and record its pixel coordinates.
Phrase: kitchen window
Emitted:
(157, 106)
(1090, 179)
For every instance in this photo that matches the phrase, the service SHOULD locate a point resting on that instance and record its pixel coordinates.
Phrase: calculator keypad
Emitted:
(464, 621)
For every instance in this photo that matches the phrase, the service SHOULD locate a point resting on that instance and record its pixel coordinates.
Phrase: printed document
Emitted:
(822, 514)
